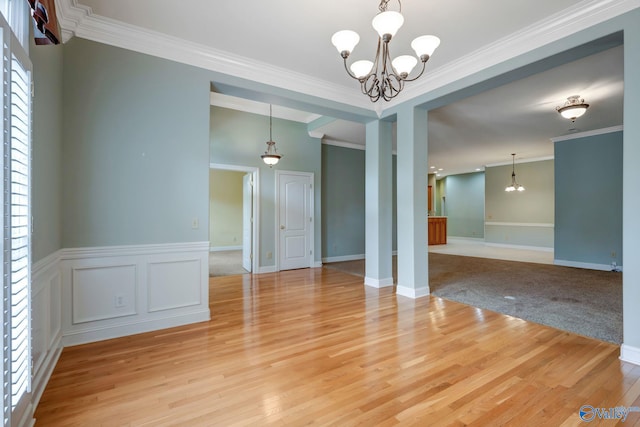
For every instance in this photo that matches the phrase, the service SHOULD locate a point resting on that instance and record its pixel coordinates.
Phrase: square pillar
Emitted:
(378, 205)
(412, 171)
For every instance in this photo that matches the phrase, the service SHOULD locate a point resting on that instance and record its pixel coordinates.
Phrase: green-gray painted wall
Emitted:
(588, 201)
(238, 138)
(343, 207)
(523, 218)
(135, 148)
(47, 147)
(464, 205)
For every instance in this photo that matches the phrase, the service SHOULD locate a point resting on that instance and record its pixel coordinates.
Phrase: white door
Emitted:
(295, 220)
(247, 221)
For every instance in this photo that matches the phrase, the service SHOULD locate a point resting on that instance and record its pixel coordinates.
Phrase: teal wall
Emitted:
(47, 148)
(238, 138)
(343, 208)
(135, 148)
(527, 217)
(464, 204)
(589, 199)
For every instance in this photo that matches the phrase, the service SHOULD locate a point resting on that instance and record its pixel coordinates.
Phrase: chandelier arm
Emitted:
(424, 66)
(384, 4)
(353, 76)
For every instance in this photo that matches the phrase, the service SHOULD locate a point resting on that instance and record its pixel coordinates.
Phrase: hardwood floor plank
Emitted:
(317, 347)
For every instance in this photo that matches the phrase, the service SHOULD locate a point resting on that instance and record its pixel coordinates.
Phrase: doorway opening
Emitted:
(233, 219)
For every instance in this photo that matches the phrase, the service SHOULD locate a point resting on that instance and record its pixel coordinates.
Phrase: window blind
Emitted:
(19, 230)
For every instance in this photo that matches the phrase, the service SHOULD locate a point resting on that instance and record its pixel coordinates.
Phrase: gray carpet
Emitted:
(225, 263)
(585, 302)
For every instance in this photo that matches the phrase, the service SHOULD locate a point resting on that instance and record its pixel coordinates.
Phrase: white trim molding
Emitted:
(521, 224)
(526, 247)
(588, 133)
(225, 248)
(78, 20)
(109, 292)
(378, 283)
(587, 265)
(413, 293)
(343, 258)
(630, 354)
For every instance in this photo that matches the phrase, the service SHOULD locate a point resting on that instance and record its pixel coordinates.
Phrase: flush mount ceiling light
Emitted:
(271, 156)
(384, 78)
(573, 108)
(514, 185)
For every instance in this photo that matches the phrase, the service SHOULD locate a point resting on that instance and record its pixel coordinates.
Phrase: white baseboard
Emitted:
(225, 248)
(585, 265)
(378, 283)
(41, 380)
(87, 335)
(412, 293)
(267, 269)
(630, 354)
(343, 258)
(317, 264)
(525, 247)
(465, 239)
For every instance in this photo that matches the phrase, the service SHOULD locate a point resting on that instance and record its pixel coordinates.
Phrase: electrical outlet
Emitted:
(195, 223)
(613, 254)
(119, 301)
(269, 255)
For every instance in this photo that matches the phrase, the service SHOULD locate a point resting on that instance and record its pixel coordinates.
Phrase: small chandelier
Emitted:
(573, 108)
(514, 185)
(384, 78)
(271, 156)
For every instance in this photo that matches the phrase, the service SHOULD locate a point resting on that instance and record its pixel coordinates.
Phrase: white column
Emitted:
(378, 205)
(630, 350)
(412, 170)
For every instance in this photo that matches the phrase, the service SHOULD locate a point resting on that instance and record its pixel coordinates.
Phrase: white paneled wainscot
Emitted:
(116, 291)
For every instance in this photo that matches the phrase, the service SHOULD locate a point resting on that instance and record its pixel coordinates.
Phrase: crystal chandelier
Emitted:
(384, 78)
(514, 185)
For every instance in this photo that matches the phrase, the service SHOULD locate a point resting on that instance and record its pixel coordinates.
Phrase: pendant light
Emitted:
(271, 156)
(514, 185)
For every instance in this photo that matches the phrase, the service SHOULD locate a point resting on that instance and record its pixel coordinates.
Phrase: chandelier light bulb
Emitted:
(387, 23)
(361, 68)
(404, 64)
(425, 45)
(345, 41)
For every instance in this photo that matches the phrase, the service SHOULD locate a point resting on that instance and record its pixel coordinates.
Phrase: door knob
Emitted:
(282, 227)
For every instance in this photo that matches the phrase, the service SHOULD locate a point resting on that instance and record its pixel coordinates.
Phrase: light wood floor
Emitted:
(315, 347)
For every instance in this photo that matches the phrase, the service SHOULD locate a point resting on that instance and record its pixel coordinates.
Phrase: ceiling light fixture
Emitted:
(384, 78)
(573, 108)
(271, 156)
(514, 185)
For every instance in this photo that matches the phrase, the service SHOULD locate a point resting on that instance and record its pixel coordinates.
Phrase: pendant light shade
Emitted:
(271, 156)
(573, 108)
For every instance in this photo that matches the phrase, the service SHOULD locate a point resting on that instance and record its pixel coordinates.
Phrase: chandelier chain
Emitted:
(385, 3)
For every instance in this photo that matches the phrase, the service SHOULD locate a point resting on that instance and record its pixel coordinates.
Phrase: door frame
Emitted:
(255, 227)
(312, 233)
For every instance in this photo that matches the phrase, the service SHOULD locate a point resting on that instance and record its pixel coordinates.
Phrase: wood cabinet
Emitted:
(437, 230)
(429, 198)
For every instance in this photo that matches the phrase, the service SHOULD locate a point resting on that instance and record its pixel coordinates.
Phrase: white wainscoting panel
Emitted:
(109, 292)
(103, 292)
(46, 324)
(166, 279)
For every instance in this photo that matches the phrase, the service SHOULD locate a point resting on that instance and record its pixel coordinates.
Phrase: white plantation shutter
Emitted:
(20, 215)
(16, 219)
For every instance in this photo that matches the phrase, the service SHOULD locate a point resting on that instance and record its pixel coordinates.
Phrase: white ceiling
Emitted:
(293, 39)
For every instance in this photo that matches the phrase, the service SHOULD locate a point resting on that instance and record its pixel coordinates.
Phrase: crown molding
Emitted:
(518, 161)
(80, 21)
(556, 27)
(588, 133)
